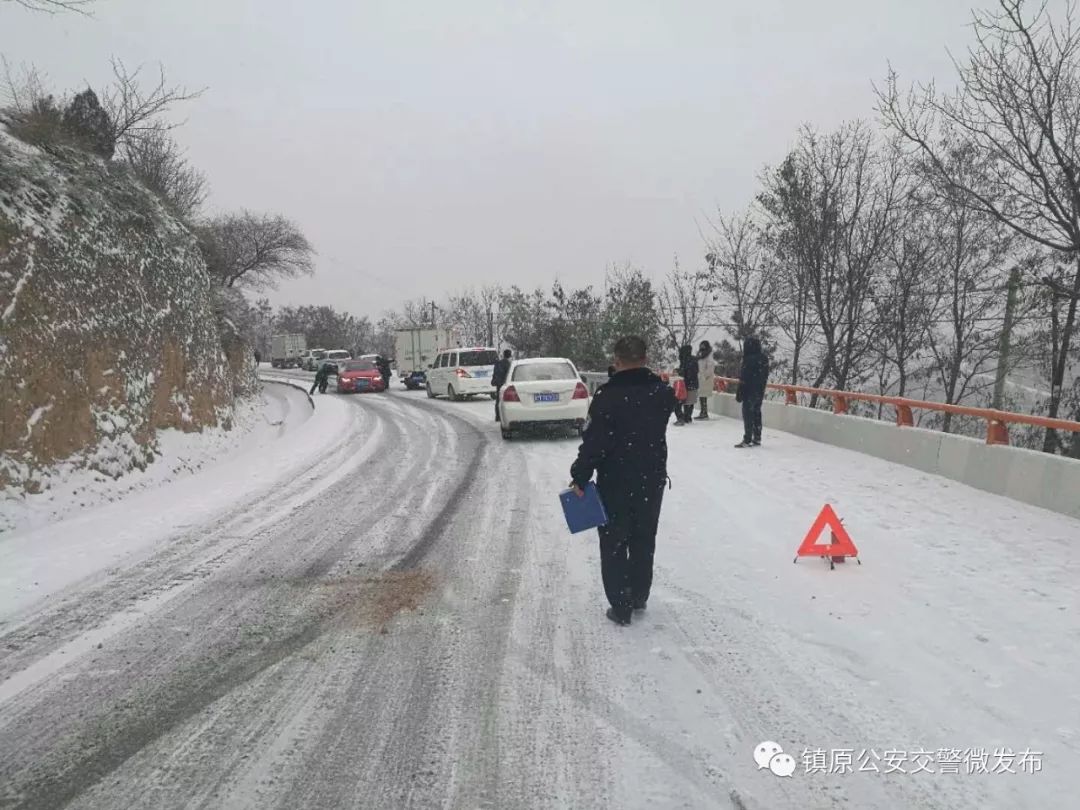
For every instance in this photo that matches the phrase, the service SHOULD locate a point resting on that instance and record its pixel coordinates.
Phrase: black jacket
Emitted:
(498, 376)
(625, 439)
(323, 374)
(754, 374)
(688, 369)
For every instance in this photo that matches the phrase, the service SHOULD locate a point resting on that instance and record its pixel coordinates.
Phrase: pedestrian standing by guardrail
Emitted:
(625, 444)
(753, 377)
(688, 370)
(706, 377)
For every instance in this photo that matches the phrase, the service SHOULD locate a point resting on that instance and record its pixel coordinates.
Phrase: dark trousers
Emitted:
(321, 385)
(751, 417)
(627, 545)
(704, 406)
(498, 388)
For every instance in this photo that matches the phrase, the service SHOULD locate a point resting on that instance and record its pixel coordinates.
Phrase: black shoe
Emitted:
(639, 604)
(745, 443)
(756, 442)
(702, 416)
(620, 618)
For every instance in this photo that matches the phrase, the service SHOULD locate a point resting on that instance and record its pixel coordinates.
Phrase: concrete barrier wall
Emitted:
(1041, 479)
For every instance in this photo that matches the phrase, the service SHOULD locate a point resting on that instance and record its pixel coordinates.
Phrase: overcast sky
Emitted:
(427, 146)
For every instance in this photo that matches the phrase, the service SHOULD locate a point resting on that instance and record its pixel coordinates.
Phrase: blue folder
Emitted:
(583, 512)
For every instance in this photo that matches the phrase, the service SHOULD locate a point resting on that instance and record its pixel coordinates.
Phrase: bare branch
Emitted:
(56, 6)
(136, 113)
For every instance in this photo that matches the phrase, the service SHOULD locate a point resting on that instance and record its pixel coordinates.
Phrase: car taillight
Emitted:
(462, 373)
(510, 394)
(580, 391)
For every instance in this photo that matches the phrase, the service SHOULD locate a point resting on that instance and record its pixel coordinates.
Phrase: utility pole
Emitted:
(433, 308)
(1004, 345)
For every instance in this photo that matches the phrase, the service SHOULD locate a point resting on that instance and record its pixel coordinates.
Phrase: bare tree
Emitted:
(973, 250)
(254, 250)
(906, 300)
(135, 112)
(682, 303)
(742, 274)
(830, 209)
(55, 6)
(474, 314)
(1016, 103)
(159, 164)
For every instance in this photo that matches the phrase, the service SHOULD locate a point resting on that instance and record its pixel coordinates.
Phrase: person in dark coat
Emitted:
(383, 365)
(688, 370)
(499, 375)
(322, 377)
(753, 377)
(625, 444)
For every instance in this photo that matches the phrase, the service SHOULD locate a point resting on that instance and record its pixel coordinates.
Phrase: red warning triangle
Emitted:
(841, 545)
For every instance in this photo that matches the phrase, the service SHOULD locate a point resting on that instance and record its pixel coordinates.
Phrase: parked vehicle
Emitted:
(285, 350)
(416, 349)
(316, 357)
(356, 376)
(543, 392)
(305, 357)
(414, 380)
(337, 355)
(460, 373)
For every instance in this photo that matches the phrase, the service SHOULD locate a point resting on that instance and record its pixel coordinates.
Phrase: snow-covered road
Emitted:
(407, 624)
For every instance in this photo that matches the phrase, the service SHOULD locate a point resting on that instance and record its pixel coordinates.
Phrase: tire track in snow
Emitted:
(90, 755)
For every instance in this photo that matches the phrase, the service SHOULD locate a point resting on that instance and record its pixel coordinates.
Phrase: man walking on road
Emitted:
(498, 377)
(753, 377)
(625, 444)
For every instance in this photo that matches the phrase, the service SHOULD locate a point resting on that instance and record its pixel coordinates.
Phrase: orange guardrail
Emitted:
(997, 431)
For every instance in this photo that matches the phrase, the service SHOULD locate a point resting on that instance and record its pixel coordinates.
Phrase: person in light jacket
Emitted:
(706, 377)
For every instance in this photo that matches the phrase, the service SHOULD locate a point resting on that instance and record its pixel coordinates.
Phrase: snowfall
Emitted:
(939, 670)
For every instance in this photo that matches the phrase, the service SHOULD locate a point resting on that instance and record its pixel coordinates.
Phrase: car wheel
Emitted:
(507, 434)
(451, 393)
(430, 393)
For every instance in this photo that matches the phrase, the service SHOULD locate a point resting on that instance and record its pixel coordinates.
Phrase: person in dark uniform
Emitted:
(322, 377)
(383, 365)
(753, 377)
(688, 370)
(625, 444)
(499, 375)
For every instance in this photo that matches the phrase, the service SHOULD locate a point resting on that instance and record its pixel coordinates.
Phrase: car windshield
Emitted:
(536, 372)
(478, 358)
(358, 365)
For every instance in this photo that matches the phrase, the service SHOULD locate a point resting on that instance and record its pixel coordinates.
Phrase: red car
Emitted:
(355, 376)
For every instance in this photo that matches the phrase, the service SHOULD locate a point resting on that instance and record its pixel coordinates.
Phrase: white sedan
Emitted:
(543, 392)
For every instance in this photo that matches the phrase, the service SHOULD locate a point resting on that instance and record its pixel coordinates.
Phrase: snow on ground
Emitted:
(86, 522)
(71, 487)
(958, 631)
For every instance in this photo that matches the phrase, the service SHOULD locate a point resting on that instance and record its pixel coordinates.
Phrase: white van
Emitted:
(460, 373)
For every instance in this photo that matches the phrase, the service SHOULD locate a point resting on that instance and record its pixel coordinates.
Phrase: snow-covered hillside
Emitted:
(107, 327)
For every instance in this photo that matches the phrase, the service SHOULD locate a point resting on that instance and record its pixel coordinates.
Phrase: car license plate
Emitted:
(545, 397)
(361, 383)
(482, 373)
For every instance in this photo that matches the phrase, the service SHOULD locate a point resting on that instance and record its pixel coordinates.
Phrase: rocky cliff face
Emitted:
(107, 324)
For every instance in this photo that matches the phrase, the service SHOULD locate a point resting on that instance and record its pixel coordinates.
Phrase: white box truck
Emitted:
(415, 349)
(285, 350)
